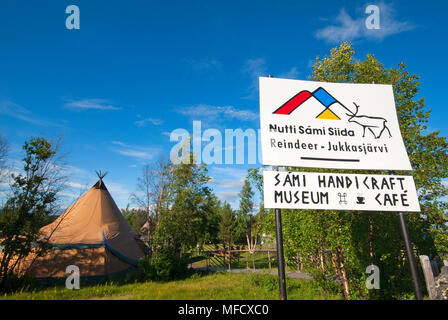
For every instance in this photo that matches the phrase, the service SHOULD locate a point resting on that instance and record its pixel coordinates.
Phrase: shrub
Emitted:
(164, 264)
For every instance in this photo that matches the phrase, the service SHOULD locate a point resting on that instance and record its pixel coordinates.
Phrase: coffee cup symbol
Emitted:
(360, 199)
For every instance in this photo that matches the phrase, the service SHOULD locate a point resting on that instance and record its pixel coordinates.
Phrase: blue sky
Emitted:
(137, 70)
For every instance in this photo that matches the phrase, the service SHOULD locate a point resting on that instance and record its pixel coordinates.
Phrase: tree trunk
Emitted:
(297, 259)
(251, 243)
(269, 260)
(370, 235)
(342, 272)
(253, 260)
(333, 262)
(322, 263)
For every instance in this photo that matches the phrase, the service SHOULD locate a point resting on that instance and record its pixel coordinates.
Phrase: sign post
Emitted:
(280, 255)
(335, 126)
(410, 254)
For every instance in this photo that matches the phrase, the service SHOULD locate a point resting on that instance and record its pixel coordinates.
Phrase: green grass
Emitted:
(218, 286)
(238, 262)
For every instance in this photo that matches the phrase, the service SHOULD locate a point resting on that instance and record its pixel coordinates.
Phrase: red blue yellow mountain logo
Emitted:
(320, 94)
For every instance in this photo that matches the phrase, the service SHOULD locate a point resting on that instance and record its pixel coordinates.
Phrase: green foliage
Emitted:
(246, 198)
(189, 218)
(227, 224)
(244, 218)
(29, 208)
(135, 217)
(165, 264)
(265, 218)
(255, 177)
(212, 221)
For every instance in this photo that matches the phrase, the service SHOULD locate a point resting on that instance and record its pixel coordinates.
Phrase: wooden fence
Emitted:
(229, 257)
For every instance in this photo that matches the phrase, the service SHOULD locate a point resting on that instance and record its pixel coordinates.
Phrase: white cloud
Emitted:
(344, 27)
(143, 122)
(15, 110)
(231, 184)
(257, 67)
(72, 170)
(90, 104)
(254, 68)
(141, 153)
(135, 153)
(82, 180)
(120, 192)
(217, 113)
(229, 196)
(230, 172)
(227, 183)
(290, 74)
(75, 185)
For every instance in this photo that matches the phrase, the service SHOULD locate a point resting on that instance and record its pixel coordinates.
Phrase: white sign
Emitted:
(330, 125)
(312, 190)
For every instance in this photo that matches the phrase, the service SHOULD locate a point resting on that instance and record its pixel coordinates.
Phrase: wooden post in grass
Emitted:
(429, 277)
(410, 254)
(298, 262)
(247, 259)
(253, 260)
(269, 261)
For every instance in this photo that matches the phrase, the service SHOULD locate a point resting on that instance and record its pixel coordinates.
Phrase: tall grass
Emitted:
(218, 286)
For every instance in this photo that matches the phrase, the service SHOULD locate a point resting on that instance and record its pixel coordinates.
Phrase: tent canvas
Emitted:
(91, 234)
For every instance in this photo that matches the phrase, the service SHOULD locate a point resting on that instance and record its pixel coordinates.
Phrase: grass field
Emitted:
(218, 286)
(240, 261)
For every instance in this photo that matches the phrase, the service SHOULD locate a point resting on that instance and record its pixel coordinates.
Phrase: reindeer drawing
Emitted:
(376, 125)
